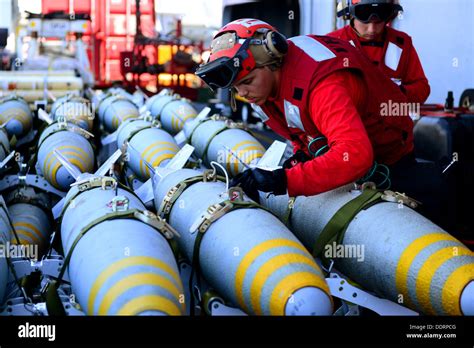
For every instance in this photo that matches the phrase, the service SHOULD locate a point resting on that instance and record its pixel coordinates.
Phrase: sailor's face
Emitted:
(257, 86)
(369, 31)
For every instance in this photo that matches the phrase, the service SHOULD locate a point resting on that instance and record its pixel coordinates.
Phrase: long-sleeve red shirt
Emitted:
(409, 70)
(335, 107)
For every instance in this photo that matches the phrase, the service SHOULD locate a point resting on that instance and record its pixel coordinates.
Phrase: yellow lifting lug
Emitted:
(401, 198)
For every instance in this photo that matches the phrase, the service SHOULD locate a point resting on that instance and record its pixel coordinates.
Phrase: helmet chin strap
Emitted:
(233, 102)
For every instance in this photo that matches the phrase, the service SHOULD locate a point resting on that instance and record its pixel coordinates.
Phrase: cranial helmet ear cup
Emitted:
(343, 9)
(275, 44)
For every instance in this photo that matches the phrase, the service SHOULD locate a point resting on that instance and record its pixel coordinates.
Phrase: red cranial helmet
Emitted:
(238, 48)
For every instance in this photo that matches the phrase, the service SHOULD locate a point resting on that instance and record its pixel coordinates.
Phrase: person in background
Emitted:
(391, 50)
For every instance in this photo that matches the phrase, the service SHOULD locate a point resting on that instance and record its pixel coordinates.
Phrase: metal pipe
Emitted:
(35, 82)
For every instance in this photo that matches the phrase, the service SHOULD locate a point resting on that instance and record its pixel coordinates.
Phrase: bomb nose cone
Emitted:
(64, 179)
(467, 299)
(15, 127)
(309, 301)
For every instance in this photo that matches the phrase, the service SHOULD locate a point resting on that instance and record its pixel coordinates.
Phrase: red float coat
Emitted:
(327, 88)
(396, 56)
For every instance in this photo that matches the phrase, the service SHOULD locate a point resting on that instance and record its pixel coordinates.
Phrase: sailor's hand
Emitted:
(253, 180)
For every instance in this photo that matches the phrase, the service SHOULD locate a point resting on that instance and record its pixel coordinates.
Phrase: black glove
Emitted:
(299, 157)
(253, 180)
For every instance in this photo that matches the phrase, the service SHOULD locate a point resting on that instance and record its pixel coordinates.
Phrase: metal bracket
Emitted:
(48, 267)
(105, 182)
(347, 309)
(219, 309)
(213, 213)
(340, 288)
(80, 131)
(185, 270)
(209, 176)
(119, 203)
(170, 198)
(160, 224)
(17, 306)
(236, 194)
(368, 185)
(397, 197)
(217, 117)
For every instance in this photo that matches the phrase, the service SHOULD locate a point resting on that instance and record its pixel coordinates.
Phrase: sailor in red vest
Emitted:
(328, 99)
(391, 50)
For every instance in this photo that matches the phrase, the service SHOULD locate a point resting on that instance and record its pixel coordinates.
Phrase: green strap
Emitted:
(54, 306)
(3, 146)
(194, 129)
(53, 301)
(289, 211)
(50, 134)
(56, 243)
(207, 297)
(13, 141)
(136, 131)
(10, 222)
(190, 139)
(182, 185)
(200, 235)
(204, 154)
(336, 227)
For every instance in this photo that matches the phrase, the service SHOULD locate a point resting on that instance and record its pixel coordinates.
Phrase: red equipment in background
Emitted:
(122, 45)
(112, 30)
(175, 64)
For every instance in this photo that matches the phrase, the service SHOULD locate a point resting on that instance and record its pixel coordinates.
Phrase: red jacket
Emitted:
(396, 57)
(324, 84)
